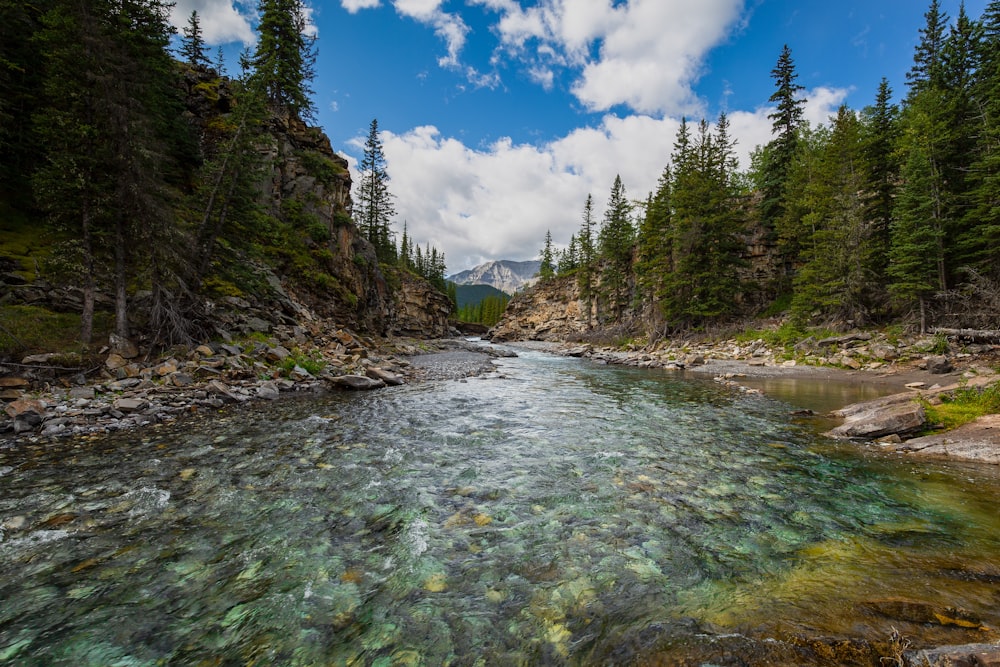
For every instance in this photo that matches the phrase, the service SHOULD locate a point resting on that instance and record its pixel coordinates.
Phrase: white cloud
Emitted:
(497, 202)
(649, 53)
(222, 21)
(354, 6)
(449, 27)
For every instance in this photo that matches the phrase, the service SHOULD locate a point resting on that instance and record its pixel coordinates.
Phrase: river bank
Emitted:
(44, 399)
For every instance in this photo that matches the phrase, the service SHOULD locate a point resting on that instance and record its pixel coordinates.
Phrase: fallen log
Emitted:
(971, 335)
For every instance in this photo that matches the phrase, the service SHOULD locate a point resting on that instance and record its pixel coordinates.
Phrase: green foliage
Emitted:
(487, 312)
(313, 365)
(785, 336)
(283, 62)
(322, 168)
(32, 329)
(963, 406)
(373, 204)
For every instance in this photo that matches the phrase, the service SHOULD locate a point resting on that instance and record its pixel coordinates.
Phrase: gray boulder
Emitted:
(880, 421)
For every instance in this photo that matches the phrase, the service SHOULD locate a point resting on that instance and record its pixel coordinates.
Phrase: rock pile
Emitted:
(131, 392)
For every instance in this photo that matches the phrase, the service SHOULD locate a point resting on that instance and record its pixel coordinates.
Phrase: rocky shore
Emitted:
(44, 398)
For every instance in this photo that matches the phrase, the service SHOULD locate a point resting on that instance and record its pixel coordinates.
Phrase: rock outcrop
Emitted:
(548, 311)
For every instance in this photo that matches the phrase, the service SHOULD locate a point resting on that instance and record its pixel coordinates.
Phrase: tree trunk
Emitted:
(121, 287)
(87, 314)
(973, 335)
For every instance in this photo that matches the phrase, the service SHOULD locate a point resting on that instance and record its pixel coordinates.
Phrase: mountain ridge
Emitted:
(506, 275)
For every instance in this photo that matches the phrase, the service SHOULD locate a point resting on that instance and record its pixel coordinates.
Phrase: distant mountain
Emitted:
(505, 275)
(474, 294)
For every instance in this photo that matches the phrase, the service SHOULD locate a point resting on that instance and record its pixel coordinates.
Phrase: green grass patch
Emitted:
(33, 330)
(964, 406)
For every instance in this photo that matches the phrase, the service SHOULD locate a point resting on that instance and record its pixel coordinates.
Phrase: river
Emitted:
(555, 512)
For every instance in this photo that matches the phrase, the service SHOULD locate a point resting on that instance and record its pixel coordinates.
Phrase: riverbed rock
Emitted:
(127, 404)
(376, 373)
(122, 346)
(12, 382)
(977, 441)
(881, 420)
(25, 408)
(968, 655)
(356, 382)
(268, 391)
(939, 365)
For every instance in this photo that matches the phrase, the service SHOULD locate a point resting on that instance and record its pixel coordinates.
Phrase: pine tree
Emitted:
(285, 57)
(880, 127)
(588, 257)
(982, 245)
(705, 250)
(835, 279)
(193, 43)
(916, 258)
(780, 153)
(547, 268)
(615, 242)
(374, 210)
(112, 123)
(927, 67)
(654, 256)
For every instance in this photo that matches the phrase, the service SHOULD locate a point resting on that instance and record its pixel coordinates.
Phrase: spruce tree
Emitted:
(586, 276)
(835, 279)
(705, 223)
(285, 57)
(374, 210)
(981, 247)
(547, 268)
(780, 153)
(880, 127)
(615, 242)
(193, 43)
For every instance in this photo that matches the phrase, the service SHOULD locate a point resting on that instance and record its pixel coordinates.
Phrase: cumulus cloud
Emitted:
(354, 6)
(645, 54)
(222, 21)
(498, 201)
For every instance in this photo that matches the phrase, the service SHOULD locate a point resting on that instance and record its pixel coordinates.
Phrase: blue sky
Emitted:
(499, 117)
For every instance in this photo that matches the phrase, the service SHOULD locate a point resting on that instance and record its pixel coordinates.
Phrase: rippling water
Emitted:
(560, 513)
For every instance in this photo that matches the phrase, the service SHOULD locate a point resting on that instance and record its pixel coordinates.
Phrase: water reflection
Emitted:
(565, 514)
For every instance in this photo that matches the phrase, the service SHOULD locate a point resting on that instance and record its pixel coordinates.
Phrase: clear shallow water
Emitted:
(563, 514)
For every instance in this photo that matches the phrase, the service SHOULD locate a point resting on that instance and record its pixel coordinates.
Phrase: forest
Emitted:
(134, 168)
(888, 214)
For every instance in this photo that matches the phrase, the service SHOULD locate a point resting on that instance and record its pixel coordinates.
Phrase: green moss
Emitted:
(322, 168)
(31, 330)
(963, 406)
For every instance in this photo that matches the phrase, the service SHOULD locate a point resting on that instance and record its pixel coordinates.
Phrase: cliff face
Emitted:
(550, 310)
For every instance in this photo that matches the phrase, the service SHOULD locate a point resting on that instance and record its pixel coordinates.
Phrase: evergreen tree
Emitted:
(880, 127)
(585, 277)
(20, 96)
(285, 57)
(113, 133)
(615, 242)
(780, 152)
(654, 247)
(547, 269)
(374, 210)
(927, 67)
(835, 279)
(705, 223)
(193, 43)
(916, 264)
(981, 247)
